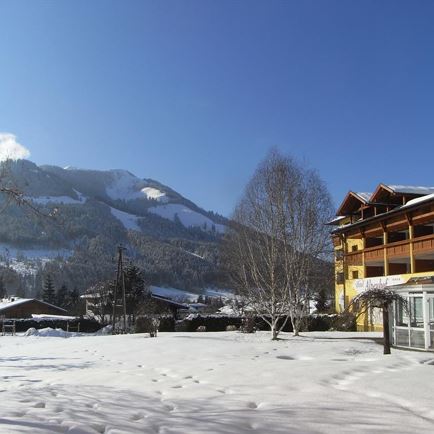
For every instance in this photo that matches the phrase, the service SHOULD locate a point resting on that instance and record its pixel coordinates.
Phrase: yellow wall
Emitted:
(364, 323)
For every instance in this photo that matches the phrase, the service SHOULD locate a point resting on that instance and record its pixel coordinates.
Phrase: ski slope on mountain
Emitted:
(220, 383)
(128, 220)
(186, 216)
(125, 186)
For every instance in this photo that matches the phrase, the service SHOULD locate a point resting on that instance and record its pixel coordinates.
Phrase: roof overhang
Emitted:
(350, 202)
(384, 216)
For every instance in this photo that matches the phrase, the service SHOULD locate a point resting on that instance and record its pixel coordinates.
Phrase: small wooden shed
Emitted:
(16, 307)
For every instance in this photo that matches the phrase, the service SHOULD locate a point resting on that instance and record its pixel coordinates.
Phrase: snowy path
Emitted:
(213, 383)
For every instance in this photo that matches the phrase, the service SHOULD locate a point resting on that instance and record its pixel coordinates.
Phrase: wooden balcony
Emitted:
(354, 258)
(399, 249)
(423, 244)
(374, 254)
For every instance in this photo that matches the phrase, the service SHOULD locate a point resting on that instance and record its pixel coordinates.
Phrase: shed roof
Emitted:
(7, 304)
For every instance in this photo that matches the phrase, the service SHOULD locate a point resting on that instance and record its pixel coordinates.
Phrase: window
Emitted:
(355, 274)
(416, 312)
(354, 248)
(401, 314)
(339, 278)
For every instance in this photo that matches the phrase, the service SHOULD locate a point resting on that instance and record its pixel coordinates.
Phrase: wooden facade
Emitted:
(24, 308)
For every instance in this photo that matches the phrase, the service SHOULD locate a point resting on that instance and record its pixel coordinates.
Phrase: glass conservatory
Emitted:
(413, 320)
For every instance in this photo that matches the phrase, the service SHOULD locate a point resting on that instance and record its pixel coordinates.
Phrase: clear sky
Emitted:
(194, 93)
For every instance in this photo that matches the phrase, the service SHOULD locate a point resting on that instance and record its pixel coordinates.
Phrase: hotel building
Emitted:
(386, 239)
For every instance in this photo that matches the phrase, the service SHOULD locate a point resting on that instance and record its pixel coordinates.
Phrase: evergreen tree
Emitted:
(21, 291)
(62, 297)
(49, 294)
(134, 288)
(3, 292)
(73, 302)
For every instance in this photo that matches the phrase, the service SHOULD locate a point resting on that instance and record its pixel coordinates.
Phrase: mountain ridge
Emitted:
(174, 240)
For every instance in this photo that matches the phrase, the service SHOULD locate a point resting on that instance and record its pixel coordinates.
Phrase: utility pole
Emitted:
(120, 288)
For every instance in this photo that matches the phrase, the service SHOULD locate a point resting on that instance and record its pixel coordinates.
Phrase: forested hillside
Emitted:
(71, 221)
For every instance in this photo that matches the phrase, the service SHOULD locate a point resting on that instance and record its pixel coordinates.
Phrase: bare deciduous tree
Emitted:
(277, 238)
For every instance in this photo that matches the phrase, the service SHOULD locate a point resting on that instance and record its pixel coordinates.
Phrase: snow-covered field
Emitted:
(213, 383)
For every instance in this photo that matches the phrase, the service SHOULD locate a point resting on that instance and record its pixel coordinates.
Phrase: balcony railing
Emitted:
(423, 244)
(374, 254)
(399, 249)
(354, 258)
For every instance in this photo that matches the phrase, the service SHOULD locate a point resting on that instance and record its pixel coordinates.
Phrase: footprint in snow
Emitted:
(285, 357)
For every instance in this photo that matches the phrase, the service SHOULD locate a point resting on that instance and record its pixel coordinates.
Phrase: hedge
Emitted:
(217, 323)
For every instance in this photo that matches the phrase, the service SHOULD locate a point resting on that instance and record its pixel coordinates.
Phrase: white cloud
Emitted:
(10, 149)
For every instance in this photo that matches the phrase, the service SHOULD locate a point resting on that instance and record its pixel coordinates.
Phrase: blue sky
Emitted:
(194, 93)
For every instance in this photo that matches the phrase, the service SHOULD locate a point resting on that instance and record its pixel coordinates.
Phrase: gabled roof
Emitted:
(410, 189)
(365, 196)
(411, 204)
(352, 201)
(383, 190)
(5, 305)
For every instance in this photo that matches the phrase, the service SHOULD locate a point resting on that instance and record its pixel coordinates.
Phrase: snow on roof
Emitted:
(411, 202)
(39, 316)
(411, 189)
(13, 301)
(173, 293)
(419, 199)
(364, 196)
(7, 303)
(336, 220)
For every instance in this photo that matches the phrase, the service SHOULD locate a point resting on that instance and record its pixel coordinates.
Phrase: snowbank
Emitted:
(47, 332)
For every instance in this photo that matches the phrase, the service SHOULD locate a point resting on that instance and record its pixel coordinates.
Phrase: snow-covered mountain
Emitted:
(128, 196)
(172, 238)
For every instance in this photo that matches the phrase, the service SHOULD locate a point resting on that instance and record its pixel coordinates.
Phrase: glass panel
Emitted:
(401, 337)
(431, 320)
(431, 312)
(416, 312)
(417, 338)
(401, 314)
